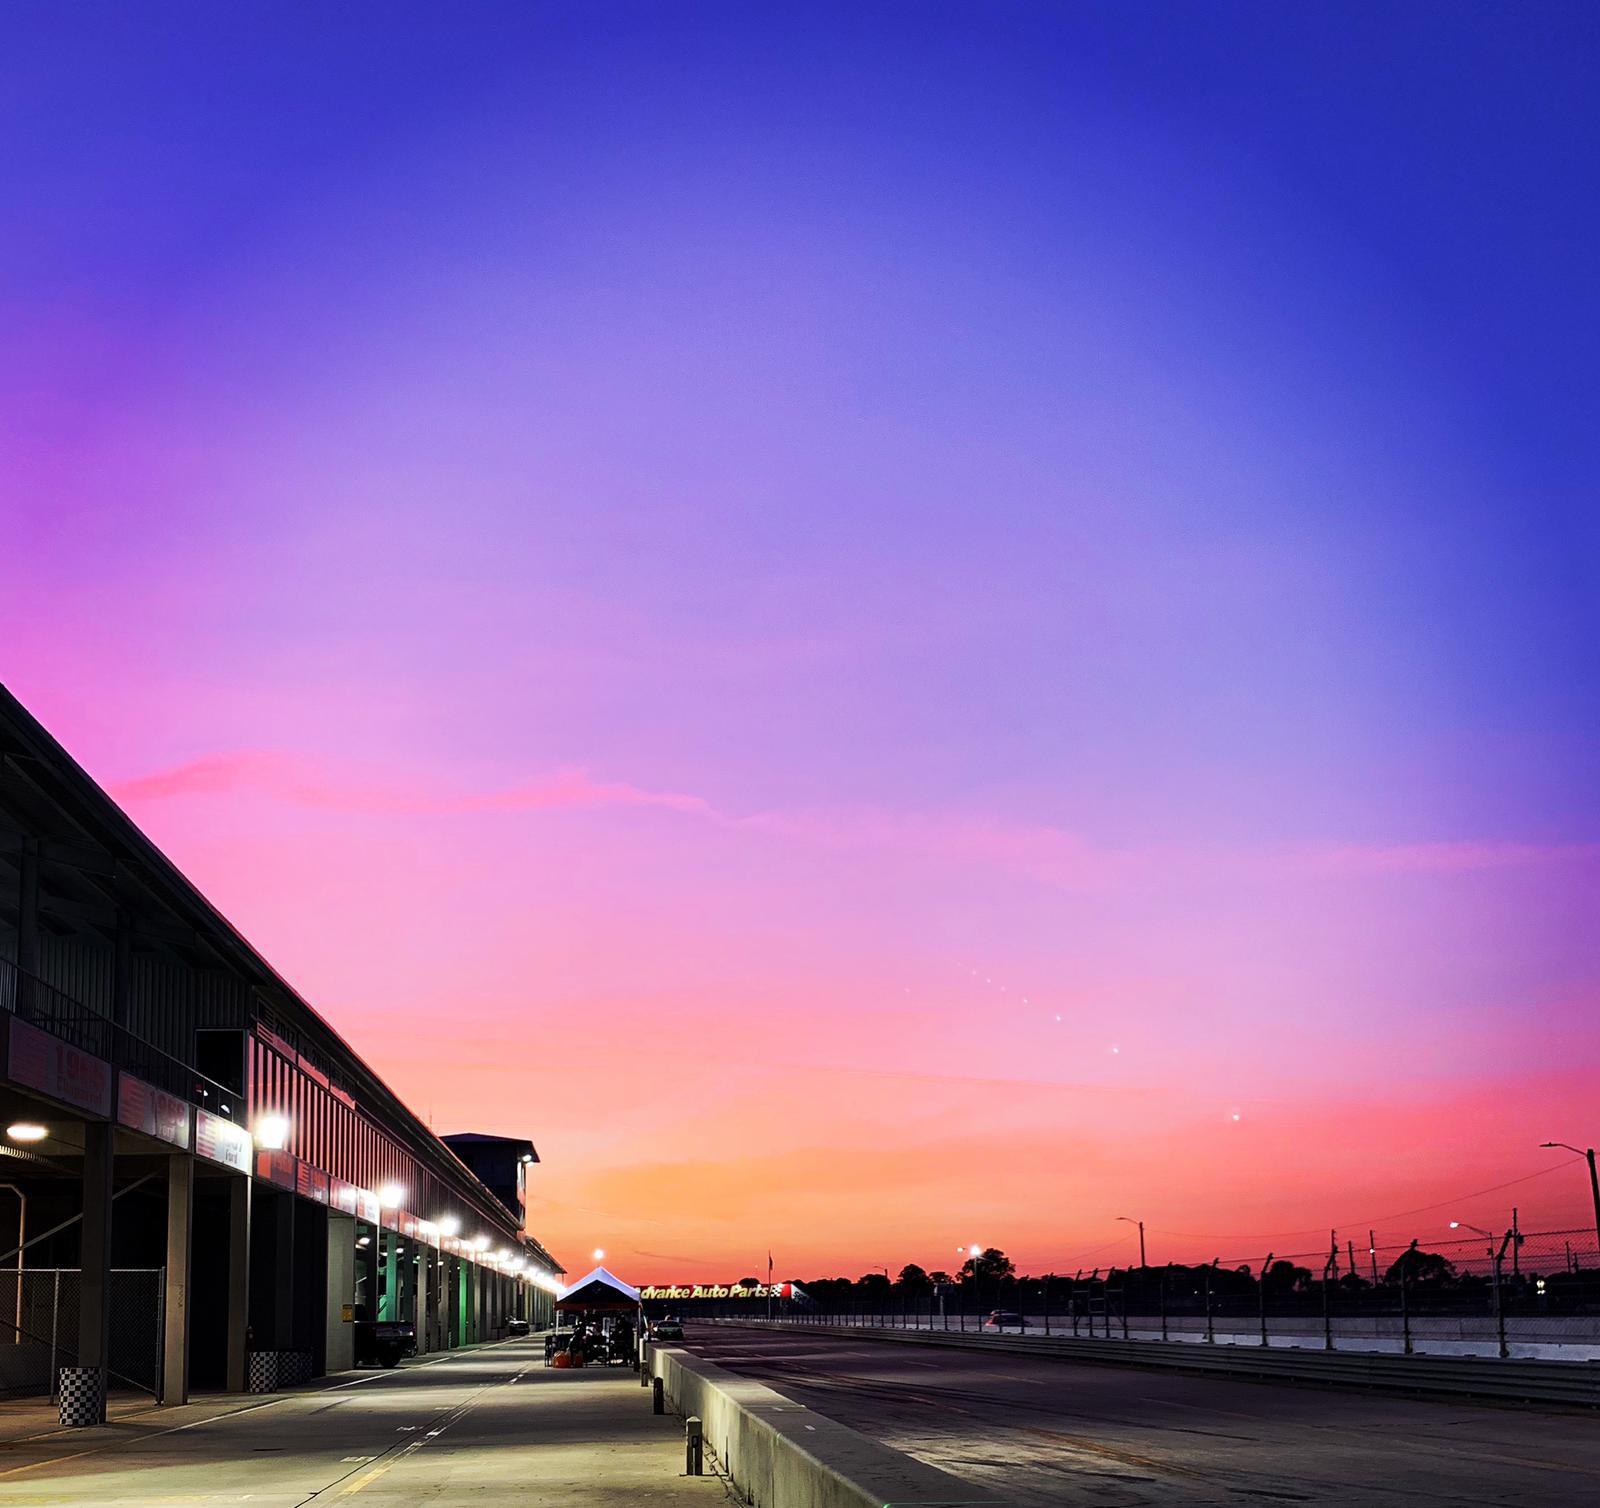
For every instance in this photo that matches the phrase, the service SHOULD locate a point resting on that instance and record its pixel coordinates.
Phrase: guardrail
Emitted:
(1564, 1383)
(779, 1454)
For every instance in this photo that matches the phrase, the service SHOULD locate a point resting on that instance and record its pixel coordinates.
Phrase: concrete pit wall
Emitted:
(781, 1455)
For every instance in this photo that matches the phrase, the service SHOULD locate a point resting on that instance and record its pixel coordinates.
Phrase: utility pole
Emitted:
(1594, 1184)
(1516, 1245)
(1372, 1248)
(1140, 1224)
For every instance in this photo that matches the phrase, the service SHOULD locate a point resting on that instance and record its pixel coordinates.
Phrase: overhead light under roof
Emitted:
(27, 1131)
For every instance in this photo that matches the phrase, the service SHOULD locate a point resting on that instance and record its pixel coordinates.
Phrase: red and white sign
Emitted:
(142, 1107)
(40, 1061)
(277, 1167)
(311, 1183)
(222, 1141)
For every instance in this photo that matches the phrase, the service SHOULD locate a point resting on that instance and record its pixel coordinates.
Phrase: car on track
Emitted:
(516, 1327)
(1005, 1319)
(667, 1329)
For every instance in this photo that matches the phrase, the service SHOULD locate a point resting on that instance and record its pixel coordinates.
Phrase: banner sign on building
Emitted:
(222, 1141)
(367, 1206)
(142, 1107)
(344, 1196)
(311, 1183)
(53, 1067)
(716, 1291)
(277, 1167)
(275, 1042)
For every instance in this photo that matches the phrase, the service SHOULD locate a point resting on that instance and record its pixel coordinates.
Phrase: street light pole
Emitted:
(1594, 1184)
(1140, 1224)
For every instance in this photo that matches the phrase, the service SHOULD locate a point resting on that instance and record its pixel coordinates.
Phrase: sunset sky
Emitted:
(881, 625)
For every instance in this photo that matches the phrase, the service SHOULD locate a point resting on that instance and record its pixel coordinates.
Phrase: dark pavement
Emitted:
(1036, 1432)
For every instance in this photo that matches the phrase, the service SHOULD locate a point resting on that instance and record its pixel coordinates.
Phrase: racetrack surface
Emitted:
(1033, 1431)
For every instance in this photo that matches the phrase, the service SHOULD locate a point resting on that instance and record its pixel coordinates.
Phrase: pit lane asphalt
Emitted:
(487, 1426)
(1036, 1432)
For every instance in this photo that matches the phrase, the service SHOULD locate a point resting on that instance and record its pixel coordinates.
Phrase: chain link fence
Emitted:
(1527, 1295)
(39, 1328)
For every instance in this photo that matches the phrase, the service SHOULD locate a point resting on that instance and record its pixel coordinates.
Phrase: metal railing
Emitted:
(40, 1004)
(1519, 1295)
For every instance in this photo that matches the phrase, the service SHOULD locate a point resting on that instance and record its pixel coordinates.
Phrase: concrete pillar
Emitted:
(452, 1287)
(367, 1258)
(406, 1265)
(180, 1220)
(420, 1286)
(436, 1302)
(238, 1284)
(94, 1310)
(390, 1307)
(341, 1333)
(283, 1273)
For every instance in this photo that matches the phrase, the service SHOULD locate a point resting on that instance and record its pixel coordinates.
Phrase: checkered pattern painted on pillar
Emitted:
(263, 1372)
(83, 1396)
(271, 1370)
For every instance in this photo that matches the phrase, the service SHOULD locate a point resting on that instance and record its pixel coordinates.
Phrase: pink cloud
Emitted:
(285, 778)
(1052, 855)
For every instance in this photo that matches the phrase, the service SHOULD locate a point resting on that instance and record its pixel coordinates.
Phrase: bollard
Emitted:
(644, 1365)
(693, 1447)
(658, 1395)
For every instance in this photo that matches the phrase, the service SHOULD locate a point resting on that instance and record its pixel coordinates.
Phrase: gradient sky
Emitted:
(999, 600)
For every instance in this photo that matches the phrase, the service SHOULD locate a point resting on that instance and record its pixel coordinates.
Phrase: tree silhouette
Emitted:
(1422, 1269)
(990, 1267)
(912, 1276)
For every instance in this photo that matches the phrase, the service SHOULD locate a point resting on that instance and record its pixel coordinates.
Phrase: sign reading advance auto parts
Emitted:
(222, 1141)
(716, 1291)
(51, 1066)
(142, 1107)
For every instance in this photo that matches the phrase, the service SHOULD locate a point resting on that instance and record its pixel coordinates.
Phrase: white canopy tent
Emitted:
(598, 1292)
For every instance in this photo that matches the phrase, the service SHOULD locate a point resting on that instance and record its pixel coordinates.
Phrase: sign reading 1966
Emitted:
(56, 1068)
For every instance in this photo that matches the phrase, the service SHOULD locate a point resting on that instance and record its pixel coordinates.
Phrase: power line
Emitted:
(1373, 1220)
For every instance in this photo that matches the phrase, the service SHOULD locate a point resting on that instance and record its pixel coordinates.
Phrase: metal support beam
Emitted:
(122, 970)
(27, 920)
